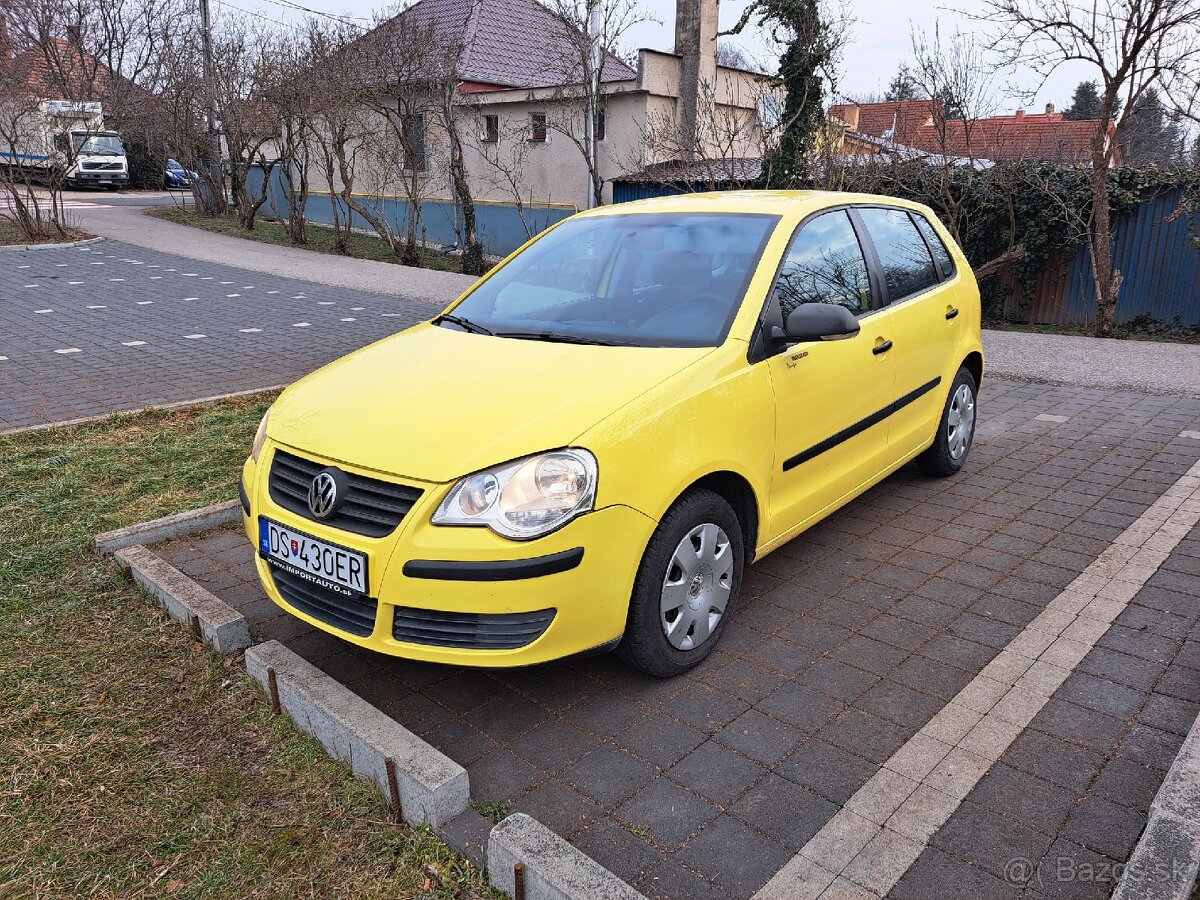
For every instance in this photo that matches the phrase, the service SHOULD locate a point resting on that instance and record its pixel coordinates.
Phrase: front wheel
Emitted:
(956, 429)
(688, 581)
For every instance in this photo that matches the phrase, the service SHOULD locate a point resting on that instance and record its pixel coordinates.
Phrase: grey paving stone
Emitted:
(716, 773)
(671, 814)
(733, 856)
(610, 775)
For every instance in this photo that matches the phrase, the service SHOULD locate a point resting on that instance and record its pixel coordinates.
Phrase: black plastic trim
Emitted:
(501, 570)
(860, 426)
(243, 496)
(469, 631)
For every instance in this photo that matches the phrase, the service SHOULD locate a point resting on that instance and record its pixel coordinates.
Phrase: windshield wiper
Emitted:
(464, 324)
(556, 337)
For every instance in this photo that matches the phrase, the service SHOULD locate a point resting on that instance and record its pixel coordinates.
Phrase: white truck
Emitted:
(67, 138)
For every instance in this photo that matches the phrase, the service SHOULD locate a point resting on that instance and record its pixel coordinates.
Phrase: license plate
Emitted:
(319, 562)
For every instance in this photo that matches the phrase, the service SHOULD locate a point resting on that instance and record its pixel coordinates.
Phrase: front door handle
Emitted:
(882, 348)
(952, 312)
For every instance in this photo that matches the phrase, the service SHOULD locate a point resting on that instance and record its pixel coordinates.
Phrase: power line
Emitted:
(316, 12)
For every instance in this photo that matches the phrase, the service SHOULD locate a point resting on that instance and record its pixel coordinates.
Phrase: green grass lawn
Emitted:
(135, 762)
(320, 240)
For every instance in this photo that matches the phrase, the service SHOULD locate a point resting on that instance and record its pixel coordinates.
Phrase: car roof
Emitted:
(778, 203)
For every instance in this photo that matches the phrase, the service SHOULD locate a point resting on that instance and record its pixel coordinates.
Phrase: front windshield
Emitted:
(98, 145)
(645, 279)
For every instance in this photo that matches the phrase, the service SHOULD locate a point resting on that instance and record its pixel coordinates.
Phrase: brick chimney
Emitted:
(1020, 114)
(696, 45)
(1050, 109)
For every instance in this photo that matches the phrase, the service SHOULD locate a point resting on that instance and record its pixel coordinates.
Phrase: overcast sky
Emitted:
(879, 41)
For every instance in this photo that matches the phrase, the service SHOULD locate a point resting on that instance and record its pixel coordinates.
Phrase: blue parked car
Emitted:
(177, 177)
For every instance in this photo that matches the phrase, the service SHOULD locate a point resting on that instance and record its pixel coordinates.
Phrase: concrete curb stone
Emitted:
(62, 245)
(191, 521)
(221, 626)
(433, 788)
(1165, 862)
(554, 869)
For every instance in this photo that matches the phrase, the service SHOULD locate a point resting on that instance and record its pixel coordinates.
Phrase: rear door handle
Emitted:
(882, 348)
(951, 313)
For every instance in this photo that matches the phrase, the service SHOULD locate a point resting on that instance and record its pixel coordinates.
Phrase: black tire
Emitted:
(939, 460)
(645, 645)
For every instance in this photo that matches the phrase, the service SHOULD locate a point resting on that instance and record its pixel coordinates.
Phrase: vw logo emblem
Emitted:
(323, 495)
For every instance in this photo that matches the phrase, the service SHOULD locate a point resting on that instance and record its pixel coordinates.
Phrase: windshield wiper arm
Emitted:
(464, 324)
(556, 337)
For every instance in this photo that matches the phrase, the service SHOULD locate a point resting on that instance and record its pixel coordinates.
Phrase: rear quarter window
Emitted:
(941, 255)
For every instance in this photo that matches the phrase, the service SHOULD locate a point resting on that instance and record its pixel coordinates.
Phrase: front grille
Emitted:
(473, 631)
(374, 508)
(108, 167)
(356, 616)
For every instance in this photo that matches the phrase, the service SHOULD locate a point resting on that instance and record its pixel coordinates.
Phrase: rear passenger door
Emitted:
(916, 270)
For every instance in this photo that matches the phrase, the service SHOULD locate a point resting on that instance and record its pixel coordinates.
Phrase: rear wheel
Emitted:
(686, 586)
(956, 429)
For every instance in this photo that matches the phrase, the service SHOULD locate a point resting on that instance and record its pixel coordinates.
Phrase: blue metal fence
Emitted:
(440, 221)
(1155, 249)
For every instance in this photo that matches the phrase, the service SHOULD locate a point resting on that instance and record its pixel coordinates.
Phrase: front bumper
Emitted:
(437, 575)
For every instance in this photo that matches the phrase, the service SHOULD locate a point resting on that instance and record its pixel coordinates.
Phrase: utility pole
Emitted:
(594, 67)
(215, 183)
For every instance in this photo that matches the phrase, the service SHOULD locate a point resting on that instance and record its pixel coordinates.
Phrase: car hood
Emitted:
(434, 404)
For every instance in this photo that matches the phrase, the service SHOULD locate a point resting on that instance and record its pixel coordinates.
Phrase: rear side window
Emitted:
(940, 254)
(907, 266)
(825, 264)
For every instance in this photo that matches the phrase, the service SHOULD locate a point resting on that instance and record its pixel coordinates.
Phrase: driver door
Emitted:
(827, 393)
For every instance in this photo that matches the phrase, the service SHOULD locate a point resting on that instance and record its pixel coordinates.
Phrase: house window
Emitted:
(414, 142)
(600, 125)
(537, 127)
(489, 133)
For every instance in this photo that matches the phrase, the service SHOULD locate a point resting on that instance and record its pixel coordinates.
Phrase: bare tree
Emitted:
(590, 31)
(730, 141)
(1132, 45)
(248, 75)
(504, 155)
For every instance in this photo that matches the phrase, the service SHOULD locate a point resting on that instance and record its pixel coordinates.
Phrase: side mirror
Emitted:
(817, 322)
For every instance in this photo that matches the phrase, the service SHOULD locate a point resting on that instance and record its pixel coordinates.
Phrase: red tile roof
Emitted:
(918, 124)
(902, 117)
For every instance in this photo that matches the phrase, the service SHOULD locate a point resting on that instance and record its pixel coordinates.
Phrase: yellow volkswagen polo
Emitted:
(588, 448)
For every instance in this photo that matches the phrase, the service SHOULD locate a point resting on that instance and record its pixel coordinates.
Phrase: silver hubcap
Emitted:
(960, 423)
(697, 586)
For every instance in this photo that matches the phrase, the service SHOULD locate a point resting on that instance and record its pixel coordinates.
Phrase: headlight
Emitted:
(260, 437)
(525, 498)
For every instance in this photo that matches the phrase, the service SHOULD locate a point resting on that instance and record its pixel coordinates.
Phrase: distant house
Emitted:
(920, 125)
(520, 115)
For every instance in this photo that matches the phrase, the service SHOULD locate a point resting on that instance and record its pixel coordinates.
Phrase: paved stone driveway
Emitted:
(848, 640)
(91, 330)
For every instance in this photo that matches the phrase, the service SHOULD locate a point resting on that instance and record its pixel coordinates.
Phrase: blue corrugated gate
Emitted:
(1155, 249)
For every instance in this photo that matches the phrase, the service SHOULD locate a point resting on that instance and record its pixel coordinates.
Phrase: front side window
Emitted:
(824, 264)
(645, 279)
(944, 260)
(907, 266)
